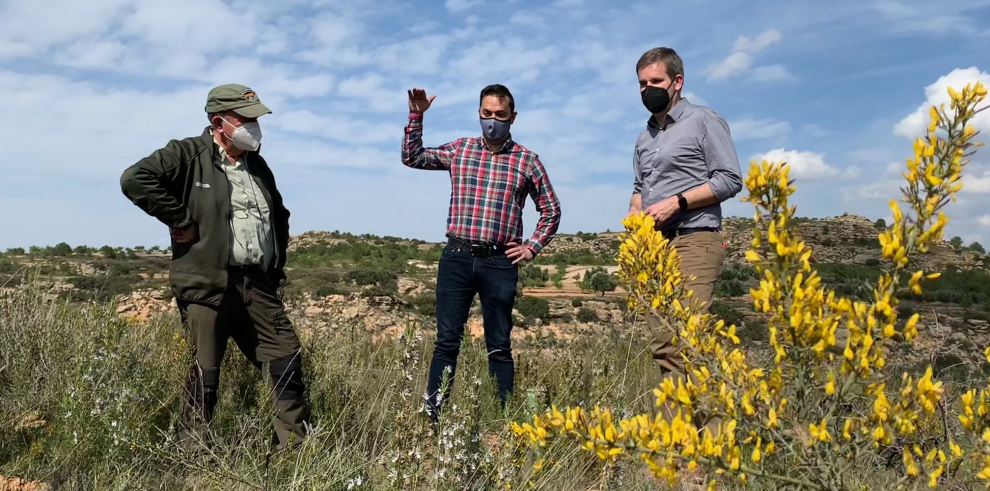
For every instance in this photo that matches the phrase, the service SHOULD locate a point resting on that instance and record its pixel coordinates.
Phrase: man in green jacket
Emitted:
(229, 233)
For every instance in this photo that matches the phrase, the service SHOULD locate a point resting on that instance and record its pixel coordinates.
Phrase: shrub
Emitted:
(576, 302)
(587, 315)
(740, 272)
(425, 303)
(535, 307)
(819, 410)
(730, 288)
(386, 288)
(602, 282)
(326, 289)
(8, 267)
(363, 277)
(533, 276)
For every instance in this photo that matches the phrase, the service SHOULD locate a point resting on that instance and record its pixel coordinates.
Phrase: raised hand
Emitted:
(418, 102)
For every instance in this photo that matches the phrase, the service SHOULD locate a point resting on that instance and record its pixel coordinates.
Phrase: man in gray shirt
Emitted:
(685, 166)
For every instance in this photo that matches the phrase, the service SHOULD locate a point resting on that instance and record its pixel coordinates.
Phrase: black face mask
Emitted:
(655, 99)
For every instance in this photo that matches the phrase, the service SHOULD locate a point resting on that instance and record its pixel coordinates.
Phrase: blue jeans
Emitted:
(459, 277)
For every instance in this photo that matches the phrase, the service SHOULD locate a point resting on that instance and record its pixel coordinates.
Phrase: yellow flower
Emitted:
(910, 465)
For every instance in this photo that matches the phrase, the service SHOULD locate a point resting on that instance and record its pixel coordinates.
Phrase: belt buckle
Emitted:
(478, 250)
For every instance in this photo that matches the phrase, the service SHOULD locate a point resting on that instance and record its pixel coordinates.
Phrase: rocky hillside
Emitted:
(846, 239)
(383, 283)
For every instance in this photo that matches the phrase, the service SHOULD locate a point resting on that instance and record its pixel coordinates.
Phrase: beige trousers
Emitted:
(702, 254)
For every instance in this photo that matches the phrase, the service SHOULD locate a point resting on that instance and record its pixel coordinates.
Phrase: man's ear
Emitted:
(513, 118)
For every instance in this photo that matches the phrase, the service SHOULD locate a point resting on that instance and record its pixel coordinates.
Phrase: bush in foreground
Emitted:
(821, 411)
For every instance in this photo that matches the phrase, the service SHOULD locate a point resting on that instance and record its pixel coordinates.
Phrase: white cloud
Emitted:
(807, 165)
(748, 129)
(884, 189)
(135, 74)
(979, 184)
(87, 116)
(984, 220)
(761, 42)
(741, 59)
(733, 64)
(341, 129)
(916, 123)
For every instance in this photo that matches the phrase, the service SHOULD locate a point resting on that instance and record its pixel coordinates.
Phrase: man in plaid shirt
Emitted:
(490, 177)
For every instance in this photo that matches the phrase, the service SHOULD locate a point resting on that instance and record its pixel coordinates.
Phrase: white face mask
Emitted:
(246, 137)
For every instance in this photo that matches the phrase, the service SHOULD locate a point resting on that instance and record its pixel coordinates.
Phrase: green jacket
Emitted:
(183, 184)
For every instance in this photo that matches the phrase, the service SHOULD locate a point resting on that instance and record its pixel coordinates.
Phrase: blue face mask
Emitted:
(494, 129)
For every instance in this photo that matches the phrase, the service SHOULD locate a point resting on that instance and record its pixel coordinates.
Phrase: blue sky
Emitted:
(835, 88)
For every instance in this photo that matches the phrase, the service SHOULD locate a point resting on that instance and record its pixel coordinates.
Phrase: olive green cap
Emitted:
(238, 98)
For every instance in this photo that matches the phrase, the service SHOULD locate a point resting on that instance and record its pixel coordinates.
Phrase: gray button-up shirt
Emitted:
(251, 238)
(693, 148)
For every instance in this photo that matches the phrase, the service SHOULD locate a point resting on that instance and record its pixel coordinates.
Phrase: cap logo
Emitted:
(250, 95)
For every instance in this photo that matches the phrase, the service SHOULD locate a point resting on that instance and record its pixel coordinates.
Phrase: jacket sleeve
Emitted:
(147, 183)
(280, 224)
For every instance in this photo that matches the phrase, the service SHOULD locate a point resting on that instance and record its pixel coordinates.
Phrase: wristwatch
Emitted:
(681, 201)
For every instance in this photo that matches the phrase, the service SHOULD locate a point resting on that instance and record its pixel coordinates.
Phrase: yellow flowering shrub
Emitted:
(823, 402)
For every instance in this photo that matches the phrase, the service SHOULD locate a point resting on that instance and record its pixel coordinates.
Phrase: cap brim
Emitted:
(253, 111)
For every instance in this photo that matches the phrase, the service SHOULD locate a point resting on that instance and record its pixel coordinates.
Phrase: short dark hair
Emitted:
(500, 91)
(667, 56)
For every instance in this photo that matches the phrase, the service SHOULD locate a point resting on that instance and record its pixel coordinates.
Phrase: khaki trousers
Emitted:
(702, 254)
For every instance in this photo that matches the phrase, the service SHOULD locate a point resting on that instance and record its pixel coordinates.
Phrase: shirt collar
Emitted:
(223, 153)
(673, 115)
(509, 143)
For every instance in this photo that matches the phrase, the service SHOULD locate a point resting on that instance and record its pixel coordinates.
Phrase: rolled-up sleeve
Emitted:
(724, 174)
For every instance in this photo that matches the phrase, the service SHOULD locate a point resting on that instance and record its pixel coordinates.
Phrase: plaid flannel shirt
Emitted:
(488, 189)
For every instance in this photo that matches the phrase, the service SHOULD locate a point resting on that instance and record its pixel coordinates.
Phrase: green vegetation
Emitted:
(849, 279)
(381, 254)
(425, 304)
(576, 258)
(8, 267)
(533, 276)
(558, 276)
(114, 277)
(587, 315)
(964, 287)
(599, 280)
(533, 307)
(106, 421)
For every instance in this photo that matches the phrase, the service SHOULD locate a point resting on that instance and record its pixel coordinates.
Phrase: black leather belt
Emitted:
(670, 234)
(476, 250)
